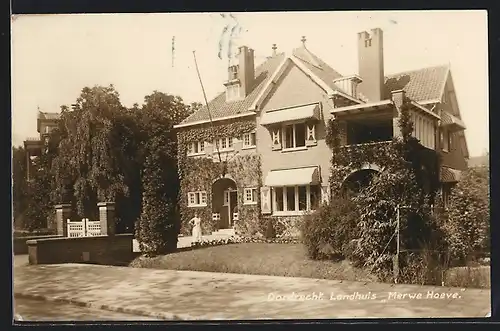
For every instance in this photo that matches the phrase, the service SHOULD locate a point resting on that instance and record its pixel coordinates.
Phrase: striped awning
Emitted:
(451, 121)
(291, 114)
(292, 177)
(449, 175)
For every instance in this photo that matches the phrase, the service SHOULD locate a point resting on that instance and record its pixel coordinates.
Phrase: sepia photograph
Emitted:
(250, 166)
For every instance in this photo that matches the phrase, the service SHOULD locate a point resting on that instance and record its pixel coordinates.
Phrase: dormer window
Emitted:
(233, 92)
(348, 84)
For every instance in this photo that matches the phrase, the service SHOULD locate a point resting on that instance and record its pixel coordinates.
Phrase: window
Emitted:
(233, 92)
(250, 196)
(197, 199)
(223, 144)
(196, 148)
(278, 199)
(249, 140)
(226, 198)
(296, 198)
(294, 136)
(445, 140)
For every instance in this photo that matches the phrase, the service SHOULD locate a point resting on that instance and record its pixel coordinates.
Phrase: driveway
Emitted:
(169, 294)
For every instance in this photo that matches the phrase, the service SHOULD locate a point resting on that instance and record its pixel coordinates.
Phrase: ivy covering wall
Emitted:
(199, 174)
(346, 159)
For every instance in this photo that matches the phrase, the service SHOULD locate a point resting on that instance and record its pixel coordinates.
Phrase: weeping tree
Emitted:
(159, 223)
(92, 158)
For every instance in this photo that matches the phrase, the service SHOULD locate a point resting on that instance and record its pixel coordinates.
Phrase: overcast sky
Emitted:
(55, 56)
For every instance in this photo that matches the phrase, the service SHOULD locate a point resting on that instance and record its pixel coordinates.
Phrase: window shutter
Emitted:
(276, 139)
(265, 200)
(311, 135)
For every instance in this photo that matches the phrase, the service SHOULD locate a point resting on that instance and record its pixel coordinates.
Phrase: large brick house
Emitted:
(269, 126)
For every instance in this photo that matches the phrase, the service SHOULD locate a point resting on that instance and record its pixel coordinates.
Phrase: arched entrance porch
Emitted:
(357, 180)
(224, 202)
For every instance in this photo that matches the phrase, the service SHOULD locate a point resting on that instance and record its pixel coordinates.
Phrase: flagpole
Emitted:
(208, 109)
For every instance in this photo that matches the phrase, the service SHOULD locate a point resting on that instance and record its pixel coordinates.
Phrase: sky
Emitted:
(55, 56)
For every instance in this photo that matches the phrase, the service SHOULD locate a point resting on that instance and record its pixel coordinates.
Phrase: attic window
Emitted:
(233, 92)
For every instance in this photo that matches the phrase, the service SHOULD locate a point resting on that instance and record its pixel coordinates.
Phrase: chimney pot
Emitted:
(371, 64)
(303, 40)
(274, 49)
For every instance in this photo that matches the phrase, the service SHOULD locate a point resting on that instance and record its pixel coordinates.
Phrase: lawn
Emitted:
(258, 259)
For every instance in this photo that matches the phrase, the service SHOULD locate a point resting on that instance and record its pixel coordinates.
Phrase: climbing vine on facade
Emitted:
(407, 176)
(200, 173)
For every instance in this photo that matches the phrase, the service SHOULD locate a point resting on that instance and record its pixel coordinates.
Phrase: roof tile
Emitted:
(220, 108)
(419, 85)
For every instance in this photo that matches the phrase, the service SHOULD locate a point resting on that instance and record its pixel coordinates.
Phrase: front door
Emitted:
(233, 202)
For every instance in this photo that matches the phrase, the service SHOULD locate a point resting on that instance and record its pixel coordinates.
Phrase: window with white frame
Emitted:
(197, 199)
(196, 147)
(249, 140)
(294, 135)
(233, 92)
(223, 144)
(292, 199)
(250, 196)
(226, 198)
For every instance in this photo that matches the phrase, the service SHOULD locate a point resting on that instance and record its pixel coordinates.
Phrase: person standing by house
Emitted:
(196, 223)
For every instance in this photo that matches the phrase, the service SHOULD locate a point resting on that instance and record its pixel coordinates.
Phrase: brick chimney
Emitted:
(246, 70)
(241, 77)
(371, 64)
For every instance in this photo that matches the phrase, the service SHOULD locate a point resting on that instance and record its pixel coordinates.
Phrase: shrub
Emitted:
(327, 231)
(467, 226)
(270, 231)
(158, 225)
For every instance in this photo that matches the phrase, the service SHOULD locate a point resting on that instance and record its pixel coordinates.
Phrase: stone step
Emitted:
(229, 232)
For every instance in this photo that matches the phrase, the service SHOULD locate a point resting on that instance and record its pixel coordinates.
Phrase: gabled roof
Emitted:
(48, 116)
(317, 66)
(420, 85)
(220, 108)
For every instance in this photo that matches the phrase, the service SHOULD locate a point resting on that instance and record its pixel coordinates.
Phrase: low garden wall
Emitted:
(97, 249)
(20, 245)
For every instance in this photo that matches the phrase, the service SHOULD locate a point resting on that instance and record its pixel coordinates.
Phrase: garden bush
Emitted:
(270, 231)
(328, 231)
(467, 224)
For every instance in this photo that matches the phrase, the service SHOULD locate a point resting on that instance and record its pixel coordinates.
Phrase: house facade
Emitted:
(34, 146)
(259, 152)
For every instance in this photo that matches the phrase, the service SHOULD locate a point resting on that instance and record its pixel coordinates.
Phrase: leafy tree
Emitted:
(159, 223)
(92, 149)
(468, 223)
(39, 210)
(19, 184)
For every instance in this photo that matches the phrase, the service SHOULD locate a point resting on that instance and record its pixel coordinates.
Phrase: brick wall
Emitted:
(99, 249)
(20, 245)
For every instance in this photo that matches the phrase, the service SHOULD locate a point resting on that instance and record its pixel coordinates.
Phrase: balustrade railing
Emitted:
(83, 228)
